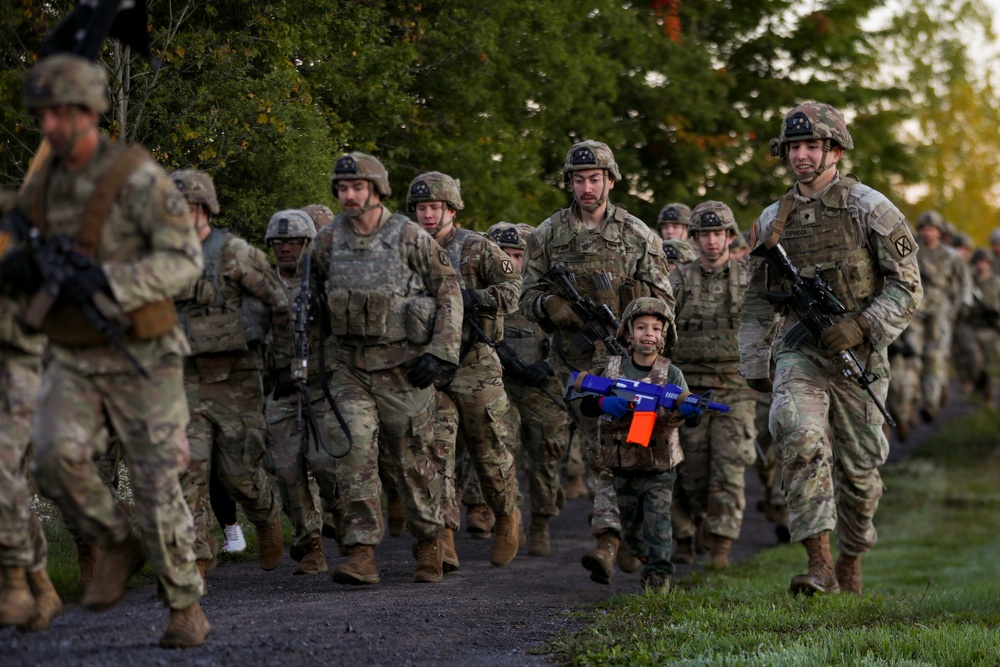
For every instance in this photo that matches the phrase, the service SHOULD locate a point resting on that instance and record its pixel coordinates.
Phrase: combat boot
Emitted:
(684, 553)
(314, 560)
(575, 487)
(270, 544)
(601, 560)
(429, 561)
(449, 556)
(360, 569)
(505, 539)
(479, 521)
(848, 571)
(117, 565)
(47, 602)
(17, 604)
(88, 555)
(538, 536)
(187, 628)
(397, 517)
(627, 563)
(821, 577)
(720, 551)
(656, 583)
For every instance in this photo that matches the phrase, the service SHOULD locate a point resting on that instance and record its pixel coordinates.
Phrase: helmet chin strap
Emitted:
(590, 208)
(823, 166)
(368, 205)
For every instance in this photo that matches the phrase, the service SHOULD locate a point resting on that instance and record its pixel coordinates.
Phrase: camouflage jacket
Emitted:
(945, 280)
(895, 286)
(148, 249)
(13, 337)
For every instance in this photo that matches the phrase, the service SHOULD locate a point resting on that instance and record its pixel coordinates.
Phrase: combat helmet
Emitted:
(980, 255)
(290, 224)
(524, 230)
(711, 215)
(931, 218)
(649, 305)
(585, 155)
(197, 188)
(320, 213)
(812, 120)
(361, 166)
(507, 235)
(66, 78)
(435, 186)
(678, 214)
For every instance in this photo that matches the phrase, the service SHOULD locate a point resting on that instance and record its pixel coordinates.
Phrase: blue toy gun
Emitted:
(644, 400)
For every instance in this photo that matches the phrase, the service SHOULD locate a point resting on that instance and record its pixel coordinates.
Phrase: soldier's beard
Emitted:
(598, 203)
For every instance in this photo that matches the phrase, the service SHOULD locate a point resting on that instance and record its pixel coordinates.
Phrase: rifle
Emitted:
(60, 262)
(644, 399)
(991, 316)
(600, 323)
(509, 359)
(814, 303)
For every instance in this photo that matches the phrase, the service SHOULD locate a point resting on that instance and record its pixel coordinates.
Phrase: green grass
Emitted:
(932, 585)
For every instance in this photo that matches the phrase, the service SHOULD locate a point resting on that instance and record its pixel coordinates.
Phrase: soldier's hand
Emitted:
(762, 385)
(845, 335)
(19, 272)
(561, 313)
(84, 285)
(422, 370)
(537, 374)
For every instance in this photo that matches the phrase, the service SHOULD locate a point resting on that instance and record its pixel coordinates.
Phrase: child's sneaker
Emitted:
(235, 542)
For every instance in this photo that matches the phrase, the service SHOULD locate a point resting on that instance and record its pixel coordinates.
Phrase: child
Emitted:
(643, 476)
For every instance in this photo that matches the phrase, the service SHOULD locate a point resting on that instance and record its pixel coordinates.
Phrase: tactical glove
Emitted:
(691, 414)
(84, 285)
(537, 374)
(561, 313)
(614, 406)
(422, 370)
(762, 385)
(845, 335)
(471, 300)
(19, 272)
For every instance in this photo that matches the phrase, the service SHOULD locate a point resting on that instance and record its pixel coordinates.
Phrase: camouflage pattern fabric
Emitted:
(444, 456)
(943, 276)
(644, 502)
(572, 463)
(768, 463)
(149, 252)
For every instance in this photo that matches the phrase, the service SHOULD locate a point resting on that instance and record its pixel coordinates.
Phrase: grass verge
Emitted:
(932, 590)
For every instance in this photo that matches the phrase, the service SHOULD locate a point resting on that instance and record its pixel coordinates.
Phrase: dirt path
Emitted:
(478, 616)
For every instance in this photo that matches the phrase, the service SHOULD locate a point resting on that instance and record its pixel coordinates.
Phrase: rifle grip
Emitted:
(641, 430)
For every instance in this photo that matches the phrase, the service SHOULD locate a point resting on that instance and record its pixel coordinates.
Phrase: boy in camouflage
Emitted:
(643, 477)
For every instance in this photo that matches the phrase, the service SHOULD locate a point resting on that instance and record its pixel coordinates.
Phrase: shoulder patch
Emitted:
(900, 242)
(443, 257)
(507, 266)
(535, 247)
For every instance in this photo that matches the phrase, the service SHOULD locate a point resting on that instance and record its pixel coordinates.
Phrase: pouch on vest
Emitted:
(216, 332)
(377, 307)
(336, 301)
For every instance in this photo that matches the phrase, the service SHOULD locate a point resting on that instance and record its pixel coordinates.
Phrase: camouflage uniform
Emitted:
(613, 264)
(222, 377)
(981, 326)
(768, 466)
(903, 396)
(828, 430)
(718, 451)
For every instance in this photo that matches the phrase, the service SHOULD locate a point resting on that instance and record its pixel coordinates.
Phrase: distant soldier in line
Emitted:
(223, 376)
(490, 289)
(395, 316)
(983, 323)
(138, 249)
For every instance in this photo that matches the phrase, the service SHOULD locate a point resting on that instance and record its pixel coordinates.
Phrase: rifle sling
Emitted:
(778, 228)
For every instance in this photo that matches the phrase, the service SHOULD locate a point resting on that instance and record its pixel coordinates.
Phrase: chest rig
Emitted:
(664, 451)
(373, 295)
(708, 325)
(823, 236)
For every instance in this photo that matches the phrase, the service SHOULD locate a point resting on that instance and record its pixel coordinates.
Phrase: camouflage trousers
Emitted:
(832, 444)
(572, 461)
(904, 389)
(977, 351)
(22, 539)
(932, 337)
(717, 453)
(644, 502)
(373, 402)
(286, 460)
(478, 392)
(227, 432)
(150, 417)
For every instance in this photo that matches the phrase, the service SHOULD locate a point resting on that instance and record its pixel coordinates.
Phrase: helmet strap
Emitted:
(368, 205)
(590, 208)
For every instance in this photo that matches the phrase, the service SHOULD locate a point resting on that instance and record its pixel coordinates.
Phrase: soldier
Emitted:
(395, 315)
(289, 234)
(720, 448)
(674, 222)
(544, 426)
(739, 249)
(614, 258)
(826, 425)
(943, 277)
(983, 322)
(127, 218)
(490, 289)
(222, 377)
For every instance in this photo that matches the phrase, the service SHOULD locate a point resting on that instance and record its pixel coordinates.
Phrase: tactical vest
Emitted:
(708, 325)
(822, 236)
(524, 337)
(211, 322)
(373, 296)
(664, 451)
(460, 255)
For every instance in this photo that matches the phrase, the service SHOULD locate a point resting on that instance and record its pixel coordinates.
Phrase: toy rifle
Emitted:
(815, 304)
(600, 324)
(644, 400)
